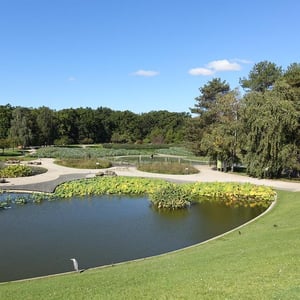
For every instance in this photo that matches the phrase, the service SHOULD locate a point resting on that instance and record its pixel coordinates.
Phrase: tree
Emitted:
(5, 119)
(219, 140)
(67, 125)
(262, 77)
(292, 75)
(270, 122)
(46, 123)
(292, 78)
(163, 126)
(206, 114)
(271, 114)
(104, 125)
(87, 126)
(208, 95)
(126, 125)
(4, 143)
(20, 130)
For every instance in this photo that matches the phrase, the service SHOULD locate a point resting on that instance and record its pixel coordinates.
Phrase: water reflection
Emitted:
(41, 239)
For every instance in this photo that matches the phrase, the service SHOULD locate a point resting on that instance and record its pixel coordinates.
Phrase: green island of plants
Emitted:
(164, 194)
(108, 185)
(171, 196)
(14, 171)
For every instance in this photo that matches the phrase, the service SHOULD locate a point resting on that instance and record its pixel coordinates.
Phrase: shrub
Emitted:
(171, 196)
(15, 171)
(87, 141)
(38, 170)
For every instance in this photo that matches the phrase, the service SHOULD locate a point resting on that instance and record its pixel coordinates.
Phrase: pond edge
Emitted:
(154, 256)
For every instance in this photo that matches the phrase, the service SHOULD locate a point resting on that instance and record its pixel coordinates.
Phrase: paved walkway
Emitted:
(57, 174)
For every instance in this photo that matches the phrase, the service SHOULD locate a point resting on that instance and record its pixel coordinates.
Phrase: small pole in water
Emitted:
(75, 264)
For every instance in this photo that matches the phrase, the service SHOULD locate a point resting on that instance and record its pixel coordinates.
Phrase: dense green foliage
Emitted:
(262, 77)
(20, 126)
(259, 130)
(260, 263)
(20, 131)
(174, 196)
(108, 185)
(170, 196)
(228, 193)
(272, 124)
(13, 171)
(231, 194)
(197, 127)
(5, 119)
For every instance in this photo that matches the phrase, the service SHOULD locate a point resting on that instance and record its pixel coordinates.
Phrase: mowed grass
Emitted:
(260, 262)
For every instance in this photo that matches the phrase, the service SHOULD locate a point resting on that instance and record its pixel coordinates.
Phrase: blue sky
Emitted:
(137, 55)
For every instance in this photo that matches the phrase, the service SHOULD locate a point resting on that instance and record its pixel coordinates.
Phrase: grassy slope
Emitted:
(260, 263)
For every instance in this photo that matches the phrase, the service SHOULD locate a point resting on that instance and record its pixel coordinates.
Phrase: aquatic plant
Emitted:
(172, 196)
(7, 198)
(233, 194)
(21, 200)
(108, 185)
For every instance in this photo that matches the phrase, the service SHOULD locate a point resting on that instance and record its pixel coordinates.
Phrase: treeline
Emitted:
(260, 129)
(22, 126)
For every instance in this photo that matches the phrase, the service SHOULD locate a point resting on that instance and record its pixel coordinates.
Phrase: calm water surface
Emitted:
(40, 239)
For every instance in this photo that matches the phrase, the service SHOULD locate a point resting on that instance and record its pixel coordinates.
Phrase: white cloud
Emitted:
(201, 71)
(242, 61)
(145, 73)
(221, 65)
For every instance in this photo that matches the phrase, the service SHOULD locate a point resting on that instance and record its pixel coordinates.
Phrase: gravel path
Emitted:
(56, 175)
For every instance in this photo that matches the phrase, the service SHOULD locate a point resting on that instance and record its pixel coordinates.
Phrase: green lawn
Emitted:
(263, 262)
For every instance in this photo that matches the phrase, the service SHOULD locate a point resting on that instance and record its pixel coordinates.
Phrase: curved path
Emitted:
(56, 174)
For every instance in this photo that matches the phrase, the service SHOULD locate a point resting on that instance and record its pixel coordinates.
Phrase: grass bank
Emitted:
(260, 263)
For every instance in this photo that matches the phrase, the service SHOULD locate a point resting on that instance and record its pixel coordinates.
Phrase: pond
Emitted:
(40, 239)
